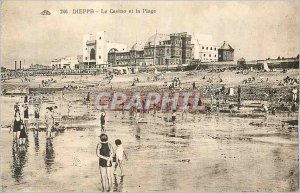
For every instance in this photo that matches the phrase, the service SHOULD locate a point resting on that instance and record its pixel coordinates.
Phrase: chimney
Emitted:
(15, 65)
(20, 64)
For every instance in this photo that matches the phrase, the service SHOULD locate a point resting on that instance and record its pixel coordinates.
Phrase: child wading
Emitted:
(49, 121)
(120, 155)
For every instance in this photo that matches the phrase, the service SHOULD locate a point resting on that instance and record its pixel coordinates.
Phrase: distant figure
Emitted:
(199, 103)
(69, 107)
(138, 132)
(87, 97)
(26, 115)
(123, 108)
(120, 155)
(218, 104)
(194, 85)
(174, 117)
(49, 121)
(102, 121)
(265, 108)
(231, 106)
(295, 94)
(26, 99)
(37, 116)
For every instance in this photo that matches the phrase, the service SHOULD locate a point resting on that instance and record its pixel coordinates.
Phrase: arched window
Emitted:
(92, 54)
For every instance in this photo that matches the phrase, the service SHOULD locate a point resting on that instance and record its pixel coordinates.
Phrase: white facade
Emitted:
(65, 63)
(69, 62)
(56, 63)
(96, 48)
(205, 49)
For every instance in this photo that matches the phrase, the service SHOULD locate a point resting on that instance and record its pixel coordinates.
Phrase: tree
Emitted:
(278, 58)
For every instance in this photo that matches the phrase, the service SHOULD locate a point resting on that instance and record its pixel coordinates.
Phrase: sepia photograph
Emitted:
(144, 96)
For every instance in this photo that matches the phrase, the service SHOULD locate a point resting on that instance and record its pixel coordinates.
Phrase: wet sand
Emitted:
(211, 154)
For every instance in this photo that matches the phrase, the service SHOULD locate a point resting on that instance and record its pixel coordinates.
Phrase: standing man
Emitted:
(194, 85)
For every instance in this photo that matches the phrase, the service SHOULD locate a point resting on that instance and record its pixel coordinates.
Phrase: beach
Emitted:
(248, 150)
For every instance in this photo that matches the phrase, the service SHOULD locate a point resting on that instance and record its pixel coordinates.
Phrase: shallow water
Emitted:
(202, 153)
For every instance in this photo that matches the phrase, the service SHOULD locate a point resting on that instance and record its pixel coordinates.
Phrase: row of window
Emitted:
(206, 59)
(168, 42)
(211, 48)
(87, 57)
(209, 55)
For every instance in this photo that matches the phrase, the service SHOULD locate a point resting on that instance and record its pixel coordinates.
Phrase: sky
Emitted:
(255, 29)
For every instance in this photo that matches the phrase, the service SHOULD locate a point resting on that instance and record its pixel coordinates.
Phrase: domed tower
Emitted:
(225, 52)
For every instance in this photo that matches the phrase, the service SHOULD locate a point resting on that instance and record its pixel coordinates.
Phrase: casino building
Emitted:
(96, 48)
(162, 51)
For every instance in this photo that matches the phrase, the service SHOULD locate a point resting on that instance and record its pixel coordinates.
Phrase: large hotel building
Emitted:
(170, 50)
(160, 50)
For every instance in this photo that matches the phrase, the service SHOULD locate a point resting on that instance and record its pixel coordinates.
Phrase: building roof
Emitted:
(156, 38)
(137, 46)
(226, 46)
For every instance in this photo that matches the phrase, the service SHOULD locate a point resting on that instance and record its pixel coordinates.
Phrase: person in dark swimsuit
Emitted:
(87, 99)
(174, 117)
(23, 134)
(16, 125)
(26, 115)
(26, 99)
(37, 116)
(105, 153)
(102, 121)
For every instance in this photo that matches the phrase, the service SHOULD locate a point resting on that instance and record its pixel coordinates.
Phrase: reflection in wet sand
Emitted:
(36, 142)
(49, 155)
(118, 186)
(19, 160)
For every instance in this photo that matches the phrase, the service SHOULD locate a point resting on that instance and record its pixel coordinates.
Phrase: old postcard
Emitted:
(101, 96)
